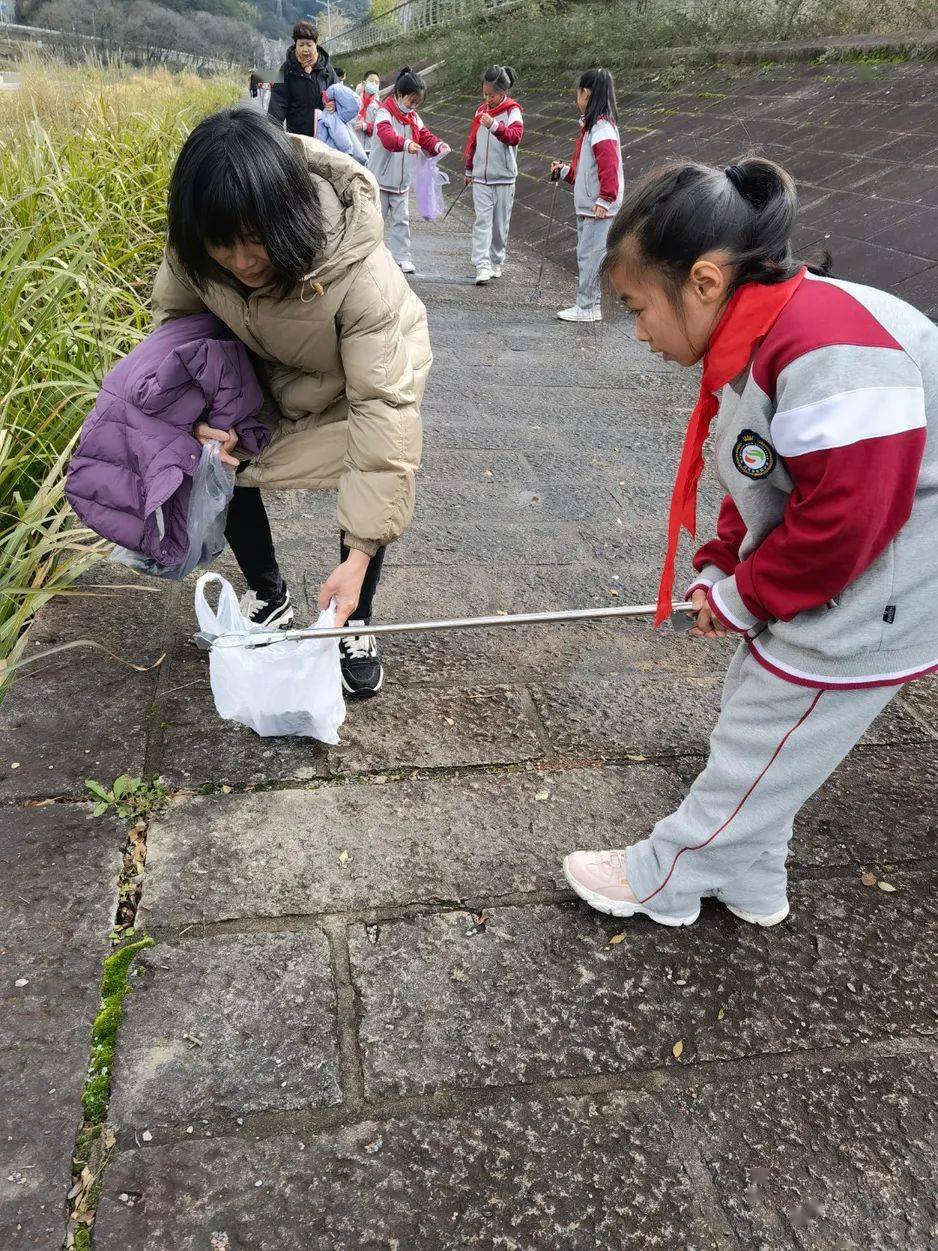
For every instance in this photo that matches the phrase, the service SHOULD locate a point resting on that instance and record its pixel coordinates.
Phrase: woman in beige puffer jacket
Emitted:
(282, 238)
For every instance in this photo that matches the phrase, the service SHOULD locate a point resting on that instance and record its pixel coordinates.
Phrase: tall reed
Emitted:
(85, 157)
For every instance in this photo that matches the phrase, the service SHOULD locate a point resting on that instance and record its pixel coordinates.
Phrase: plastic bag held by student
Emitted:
(212, 488)
(284, 688)
(428, 184)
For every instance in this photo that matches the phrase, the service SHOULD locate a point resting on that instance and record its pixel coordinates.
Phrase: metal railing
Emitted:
(413, 17)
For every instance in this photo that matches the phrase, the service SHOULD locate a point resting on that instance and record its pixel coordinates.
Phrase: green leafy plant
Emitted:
(129, 798)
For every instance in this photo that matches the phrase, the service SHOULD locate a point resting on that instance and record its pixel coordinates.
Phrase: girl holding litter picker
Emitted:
(596, 175)
(824, 561)
(491, 156)
(399, 136)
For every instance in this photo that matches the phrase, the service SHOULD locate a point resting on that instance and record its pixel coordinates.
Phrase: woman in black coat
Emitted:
(306, 74)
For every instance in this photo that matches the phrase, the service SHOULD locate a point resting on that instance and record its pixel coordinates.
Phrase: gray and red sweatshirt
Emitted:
(596, 169)
(391, 165)
(826, 555)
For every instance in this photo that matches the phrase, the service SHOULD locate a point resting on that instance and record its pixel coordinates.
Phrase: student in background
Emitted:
(596, 175)
(491, 159)
(399, 136)
(370, 98)
(339, 75)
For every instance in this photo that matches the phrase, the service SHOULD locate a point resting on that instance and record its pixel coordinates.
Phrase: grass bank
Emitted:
(85, 157)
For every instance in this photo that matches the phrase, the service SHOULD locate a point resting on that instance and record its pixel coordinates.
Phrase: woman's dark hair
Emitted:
(408, 83)
(502, 77)
(306, 30)
(599, 83)
(339, 73)
(680, 212)
(238, 176)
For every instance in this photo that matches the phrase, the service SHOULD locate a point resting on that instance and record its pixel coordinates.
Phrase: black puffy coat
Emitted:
(296, 98)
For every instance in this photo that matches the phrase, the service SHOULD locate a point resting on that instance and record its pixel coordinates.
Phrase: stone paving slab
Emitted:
(824, 1161)
(263, 1008)
(80, 714)
(572, 1174)
(538, 993)
(380, 845)
(57, 899)
(612, 715)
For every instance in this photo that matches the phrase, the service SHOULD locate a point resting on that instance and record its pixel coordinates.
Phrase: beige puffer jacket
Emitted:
(347, 356)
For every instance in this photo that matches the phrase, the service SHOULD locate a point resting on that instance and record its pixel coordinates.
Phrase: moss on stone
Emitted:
(114, 986)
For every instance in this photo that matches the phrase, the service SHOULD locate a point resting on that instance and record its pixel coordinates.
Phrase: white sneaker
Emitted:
(764, 919)
(496, 271)
(575, 313)
(408, 267)
(483, 276)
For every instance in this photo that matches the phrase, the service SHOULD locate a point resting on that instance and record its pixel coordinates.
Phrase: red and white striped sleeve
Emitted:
(850, 425)
(387, 135)
(719, 558)
(509, 128)
(604, 139)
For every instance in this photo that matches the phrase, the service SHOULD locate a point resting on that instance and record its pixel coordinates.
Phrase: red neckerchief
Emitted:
(494, 110)
(363, 111)
(748, 318)
(408, 119)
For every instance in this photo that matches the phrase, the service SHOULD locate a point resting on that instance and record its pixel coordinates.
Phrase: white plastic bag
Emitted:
(289, 687)
(213, 486)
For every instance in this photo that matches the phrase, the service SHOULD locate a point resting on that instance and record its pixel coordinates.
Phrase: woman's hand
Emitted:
(555, 168)
(444, 150)
(487, 120)
(600, 211)
(227, 438)
(413, 147)
(468, 179)
(706, 625)
(344, 585)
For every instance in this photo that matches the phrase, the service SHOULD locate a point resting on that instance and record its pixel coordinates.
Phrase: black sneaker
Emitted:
(362, 672)
(271, 614)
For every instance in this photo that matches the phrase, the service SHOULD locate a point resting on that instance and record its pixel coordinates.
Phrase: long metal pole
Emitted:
(550, 222)
(266, 637)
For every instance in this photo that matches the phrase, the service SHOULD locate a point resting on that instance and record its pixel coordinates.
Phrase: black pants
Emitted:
(248, 533)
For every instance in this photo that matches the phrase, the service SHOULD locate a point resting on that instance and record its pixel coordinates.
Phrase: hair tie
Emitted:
(736, 175)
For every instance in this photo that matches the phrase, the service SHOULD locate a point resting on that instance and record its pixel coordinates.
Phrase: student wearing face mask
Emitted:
(491, 157)
(370, 97)
(306, 73)
(399, 136)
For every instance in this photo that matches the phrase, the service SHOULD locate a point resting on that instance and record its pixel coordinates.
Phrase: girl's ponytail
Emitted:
(602, 103)
(409, 83)
(502, 77)
(683, 211)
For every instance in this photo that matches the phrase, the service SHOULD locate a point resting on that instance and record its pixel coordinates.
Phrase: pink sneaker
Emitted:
(598, 877)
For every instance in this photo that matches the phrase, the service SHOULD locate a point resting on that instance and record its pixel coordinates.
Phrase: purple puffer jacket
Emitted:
(137, 452)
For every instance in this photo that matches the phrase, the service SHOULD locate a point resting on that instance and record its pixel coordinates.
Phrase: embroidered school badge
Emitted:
(753, 456)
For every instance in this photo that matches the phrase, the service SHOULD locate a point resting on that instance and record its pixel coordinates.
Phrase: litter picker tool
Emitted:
(555, 179)
(263, 638)
(456, 199)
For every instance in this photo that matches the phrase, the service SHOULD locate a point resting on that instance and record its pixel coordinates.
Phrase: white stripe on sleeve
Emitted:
(849, 417)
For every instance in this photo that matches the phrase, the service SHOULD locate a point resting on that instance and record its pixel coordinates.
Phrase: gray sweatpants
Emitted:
(493, 213)
(591, 234)
(773, 745)
(395, 209)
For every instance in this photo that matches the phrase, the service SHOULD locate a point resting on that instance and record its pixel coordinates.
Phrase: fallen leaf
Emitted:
(886, 886)
(678, 1049)
(616, 939)
(542, 795)
(344, 857)
(721, 1014)
(628, 757)
(868, 879)
(449, 720)
(614, 594)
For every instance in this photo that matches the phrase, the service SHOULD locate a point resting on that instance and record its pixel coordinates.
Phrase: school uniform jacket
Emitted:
(391, 165)
(826, 555)
(597, 177)
(494, 156)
